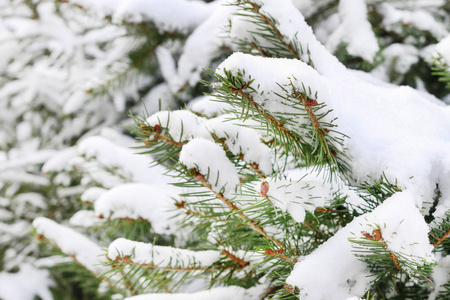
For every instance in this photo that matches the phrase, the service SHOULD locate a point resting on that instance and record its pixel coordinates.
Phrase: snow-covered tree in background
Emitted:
(299, 176)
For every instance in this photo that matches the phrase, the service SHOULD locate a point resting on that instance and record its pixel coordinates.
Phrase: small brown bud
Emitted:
(280, 251)
(377, 235)
(157, 128)
(269, 252)
(147, 142)
(180, 204)
(367, 235)
(264, 188)
(311, 102)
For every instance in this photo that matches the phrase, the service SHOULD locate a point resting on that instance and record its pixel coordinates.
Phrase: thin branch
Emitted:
(441, 239)
(379, 238)
(279, 253)
(280, 36)
(236, 259)
(252, 223)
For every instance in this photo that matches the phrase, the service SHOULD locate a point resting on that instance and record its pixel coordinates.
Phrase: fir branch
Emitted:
(376, 236)
(236, 259)
(322, 148)
(252, 223)
(279, 253)
(280, 45)
(442, 238)
(387, 264)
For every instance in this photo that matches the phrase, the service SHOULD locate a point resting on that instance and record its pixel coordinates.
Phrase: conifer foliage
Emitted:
(277, 155)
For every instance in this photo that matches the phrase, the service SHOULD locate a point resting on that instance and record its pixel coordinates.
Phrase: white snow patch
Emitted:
(27, 284)
(138, 200)
(72, 243)
(333, 264)
(296, 196)
(211, 161)
(162, 256)
(355, 30)
(219, 293)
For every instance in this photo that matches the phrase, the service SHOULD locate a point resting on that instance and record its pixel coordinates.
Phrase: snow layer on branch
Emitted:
(173, 15)
(92, 194)
(201, 46)
(138, 200)
(220, 293)
(421, 19)
(71, 243)
(58, 162)
(241, 139)
(33, 283)
(397, 131)
(161, 256)
(206, 106)
(441, 275)
(211, 161)
(443, 49)
(355, 30)
(135, 167)
(296, 196)
(37, 157)
(183, 125)
(340, 274)
(85, 219)
(398, 57)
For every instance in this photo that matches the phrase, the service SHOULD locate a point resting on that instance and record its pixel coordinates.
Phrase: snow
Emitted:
(33, 282)
(34, 158)
(179, 15)
(205, 105)
(297, 196)
(400, 58)
(332, 271)
(182, 125)
(441, 275)
(201, 46)
(85, 219)
(443, 49)
(396, 126)
(72, 243)
(162, 256)
(242, 139)
(210, 160)
(421, 19)
(135, 167)
(92, 194)
(218, 293)
(138, 200)
(355, 30)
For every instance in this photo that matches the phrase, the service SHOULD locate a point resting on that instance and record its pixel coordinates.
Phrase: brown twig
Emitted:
(256, 9)
(252, 223)
(279, 253)
(236, 259)
(379, 238)
(441, 239)
(268, 117)
(260, 50)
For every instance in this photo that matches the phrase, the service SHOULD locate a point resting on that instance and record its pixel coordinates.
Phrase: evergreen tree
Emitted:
(297, 175)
